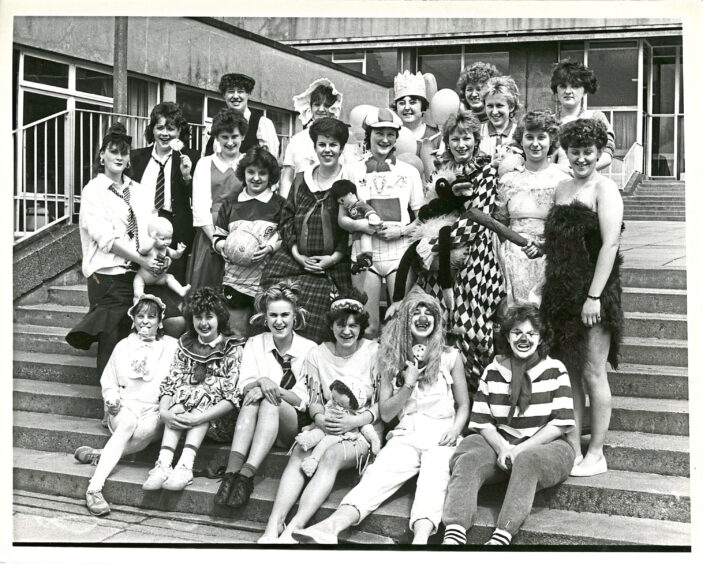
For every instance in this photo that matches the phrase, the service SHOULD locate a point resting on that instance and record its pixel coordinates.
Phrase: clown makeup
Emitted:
(583, 160)
(237, 99)
(422, 323)
(409, 108)
(146, 322)
(498, 110)
(524, 340)
(206, 326)
(280, 319)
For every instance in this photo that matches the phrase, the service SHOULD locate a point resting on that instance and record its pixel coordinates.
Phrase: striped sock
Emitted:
(248, 470)
(454, 534)
(166, 456)
(500, 538)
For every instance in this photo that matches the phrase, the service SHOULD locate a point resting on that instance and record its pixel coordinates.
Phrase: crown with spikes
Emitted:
(408, 84)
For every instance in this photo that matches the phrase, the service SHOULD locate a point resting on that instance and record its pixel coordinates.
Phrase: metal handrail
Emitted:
(40, 121)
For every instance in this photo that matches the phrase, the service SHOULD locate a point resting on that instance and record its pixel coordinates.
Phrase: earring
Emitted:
(102, 161)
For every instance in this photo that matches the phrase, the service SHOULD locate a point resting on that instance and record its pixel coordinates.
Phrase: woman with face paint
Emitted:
(422, 384)
(520, 414)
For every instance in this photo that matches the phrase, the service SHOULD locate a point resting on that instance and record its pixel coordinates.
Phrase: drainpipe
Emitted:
(119, 77)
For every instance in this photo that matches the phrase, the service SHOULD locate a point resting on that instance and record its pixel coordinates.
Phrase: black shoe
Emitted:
(242, 486)
(225, 489)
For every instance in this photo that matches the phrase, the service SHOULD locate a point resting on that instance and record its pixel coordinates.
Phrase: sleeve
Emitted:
(481, 415)
(610, 145)
(175, 375)
(108, 381)
(341, 236)
(229, 383)
(286, 226)
(222, 223)
(289, 156)
(417, 193)
(300, 389)
(93, 218)
(562, 413)
(202, 194)
(266, 134)
(248, 370)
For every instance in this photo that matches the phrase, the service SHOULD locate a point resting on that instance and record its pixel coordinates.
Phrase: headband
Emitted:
(347, 303)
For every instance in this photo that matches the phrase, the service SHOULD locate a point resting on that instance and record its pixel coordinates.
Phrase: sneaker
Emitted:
(157, 476)
(225, 489)
(179, 479)
(96, 504)
(242, 487)
(87, 455)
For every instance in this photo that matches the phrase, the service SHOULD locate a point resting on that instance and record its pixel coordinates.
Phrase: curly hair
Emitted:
(340, 315)
(518, 313)
(424, 104)
(227, 120)
(283, 291)
(150, 308)
(231, 81)
(477, 73)
(322, 94)
(574, 74)
(262, 158)
(341, 388)
(330, 127)
(539, 120)
(461, 122)
(503, 86)
(207, 300)
(584, 133)
(171, 112)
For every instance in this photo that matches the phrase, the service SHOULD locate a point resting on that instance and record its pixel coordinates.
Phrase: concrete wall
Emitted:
(194, 53)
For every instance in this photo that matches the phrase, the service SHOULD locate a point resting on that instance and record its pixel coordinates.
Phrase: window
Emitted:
(214, 105)
(46, 72)
(615, 65)
(572, 50)
(141, 96)
(500, 59)
(191, 103)
(382, 64)
(443, 62)
(94, 82)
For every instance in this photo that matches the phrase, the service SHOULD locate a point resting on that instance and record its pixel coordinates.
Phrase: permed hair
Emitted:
(477, 73)
(574, 74)
(283, 291)
(583, 133)
(116, 136)
(424, 104)
(397, 340)
(340, 315)
(330, 127)
(234, 80)
(343, 389)
(461, 122)
(207, 300)
(342, 187)
(261, 157)
(227, 120)
(151, 308)
(525, 312)
(505, 86)
(539, 120)
(173, 115)
(322, 94)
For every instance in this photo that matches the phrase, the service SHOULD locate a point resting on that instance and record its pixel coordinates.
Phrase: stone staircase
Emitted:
(644, 498)
(657, 200)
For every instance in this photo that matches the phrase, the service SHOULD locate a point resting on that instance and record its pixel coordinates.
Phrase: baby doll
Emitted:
(344, 191)
(347, 396)
(161, 233)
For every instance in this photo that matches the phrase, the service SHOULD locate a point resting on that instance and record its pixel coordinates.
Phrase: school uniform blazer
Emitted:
(181, 191)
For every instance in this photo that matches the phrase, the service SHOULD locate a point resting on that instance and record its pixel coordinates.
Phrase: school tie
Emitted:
(159, 194)
(125, 195)
(288, 380)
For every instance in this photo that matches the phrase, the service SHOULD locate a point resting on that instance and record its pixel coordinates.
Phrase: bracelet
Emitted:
(411, 388)
(594, 298)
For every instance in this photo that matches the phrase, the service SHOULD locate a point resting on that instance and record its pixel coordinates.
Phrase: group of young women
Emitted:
(278, 344)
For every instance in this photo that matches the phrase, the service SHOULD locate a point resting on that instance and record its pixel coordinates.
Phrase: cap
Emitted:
(382, 117)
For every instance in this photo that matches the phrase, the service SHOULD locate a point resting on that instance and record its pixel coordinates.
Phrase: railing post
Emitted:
(69, 155)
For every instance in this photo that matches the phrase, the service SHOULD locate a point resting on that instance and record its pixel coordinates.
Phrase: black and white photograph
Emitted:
(395, 276)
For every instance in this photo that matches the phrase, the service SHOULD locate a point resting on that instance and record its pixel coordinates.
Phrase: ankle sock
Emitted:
(500, 537)
(166, 456)
(248, 470)
(188, 456)
(454, 534)
(235, 462)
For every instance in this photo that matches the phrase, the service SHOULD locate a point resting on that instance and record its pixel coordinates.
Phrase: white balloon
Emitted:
(357, 115)
(406, 143)
(443, 104)
(414, 160)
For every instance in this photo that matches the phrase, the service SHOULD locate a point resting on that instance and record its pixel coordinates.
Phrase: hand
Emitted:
(113, 407)
(271, 391)
(411, 374)
(590, 313)
(390, 232)
(180, 249)
(192, 419)
(338, 423)
(253, 396)
(186, 167)
(532, 250)
(504, 459)
(313, 264)
(392, 310)
(448, 296)
(173, 418)
(325, 261)
(449, 438)
(261, 253)
(153, 264)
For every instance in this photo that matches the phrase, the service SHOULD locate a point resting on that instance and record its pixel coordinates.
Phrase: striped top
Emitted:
(551, 401)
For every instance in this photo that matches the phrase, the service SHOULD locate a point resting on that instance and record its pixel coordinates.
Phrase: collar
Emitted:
(295, 349)
(310, 181)
(222, 166)
(104, 182)
(247, 113)
(507, 374)
(373, 165)
(190, 346)
(506, 132)
(264, 197)
(212, 344)
(156, 157)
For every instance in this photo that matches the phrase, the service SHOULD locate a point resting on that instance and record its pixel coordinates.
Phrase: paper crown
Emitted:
(408, 84)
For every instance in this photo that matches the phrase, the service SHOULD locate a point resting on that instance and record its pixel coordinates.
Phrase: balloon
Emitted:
(357, 115)
(444, 103)
(414, 160)
(406, 143)
(356, 135)
(430, 85)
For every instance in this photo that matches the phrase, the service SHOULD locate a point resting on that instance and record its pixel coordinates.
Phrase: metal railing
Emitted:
(56, 156)
(621, 169)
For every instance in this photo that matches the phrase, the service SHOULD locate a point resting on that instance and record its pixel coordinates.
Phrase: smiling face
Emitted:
(236, 99)
(382, 141)
(524, 340)
(146, 322)
(569, 96)
(320, 110)
(583, 160)
(206, 326)
(422, 323)
(498, 110)
(461, 146)
(164, 131)
(472, 93)
(256, 179)
(327, 150)
(115, 161)
(230, 142)
(536, 145)
(346, 332)
(409, 108)
(280, 319)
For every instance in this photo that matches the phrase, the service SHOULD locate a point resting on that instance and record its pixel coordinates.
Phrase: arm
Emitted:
(610, 212)
(609, 150)
(392, 402)
(545, 435)
(266, 135)
(286, 181)
(460, 392)
(353, 225)
(202, 197)
(211, 413)
(108, 381)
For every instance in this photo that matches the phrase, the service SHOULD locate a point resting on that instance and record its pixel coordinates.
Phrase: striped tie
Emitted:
(132, 229)
(159, 194)
(288, 380)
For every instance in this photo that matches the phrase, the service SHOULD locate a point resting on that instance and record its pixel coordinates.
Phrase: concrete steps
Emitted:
(667, 352)
(655, 201)
(661, 504)
(654, 300)
(642, 380)
(39, 338)
(656, 325)
(50, 315)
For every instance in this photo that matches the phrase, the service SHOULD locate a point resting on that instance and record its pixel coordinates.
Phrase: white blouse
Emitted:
(202, 189)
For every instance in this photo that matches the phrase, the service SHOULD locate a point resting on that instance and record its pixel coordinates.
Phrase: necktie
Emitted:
(288, 380)
(132, 229)
(160, 184)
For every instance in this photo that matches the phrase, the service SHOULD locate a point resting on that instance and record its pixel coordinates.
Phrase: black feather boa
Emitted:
(572, 243)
